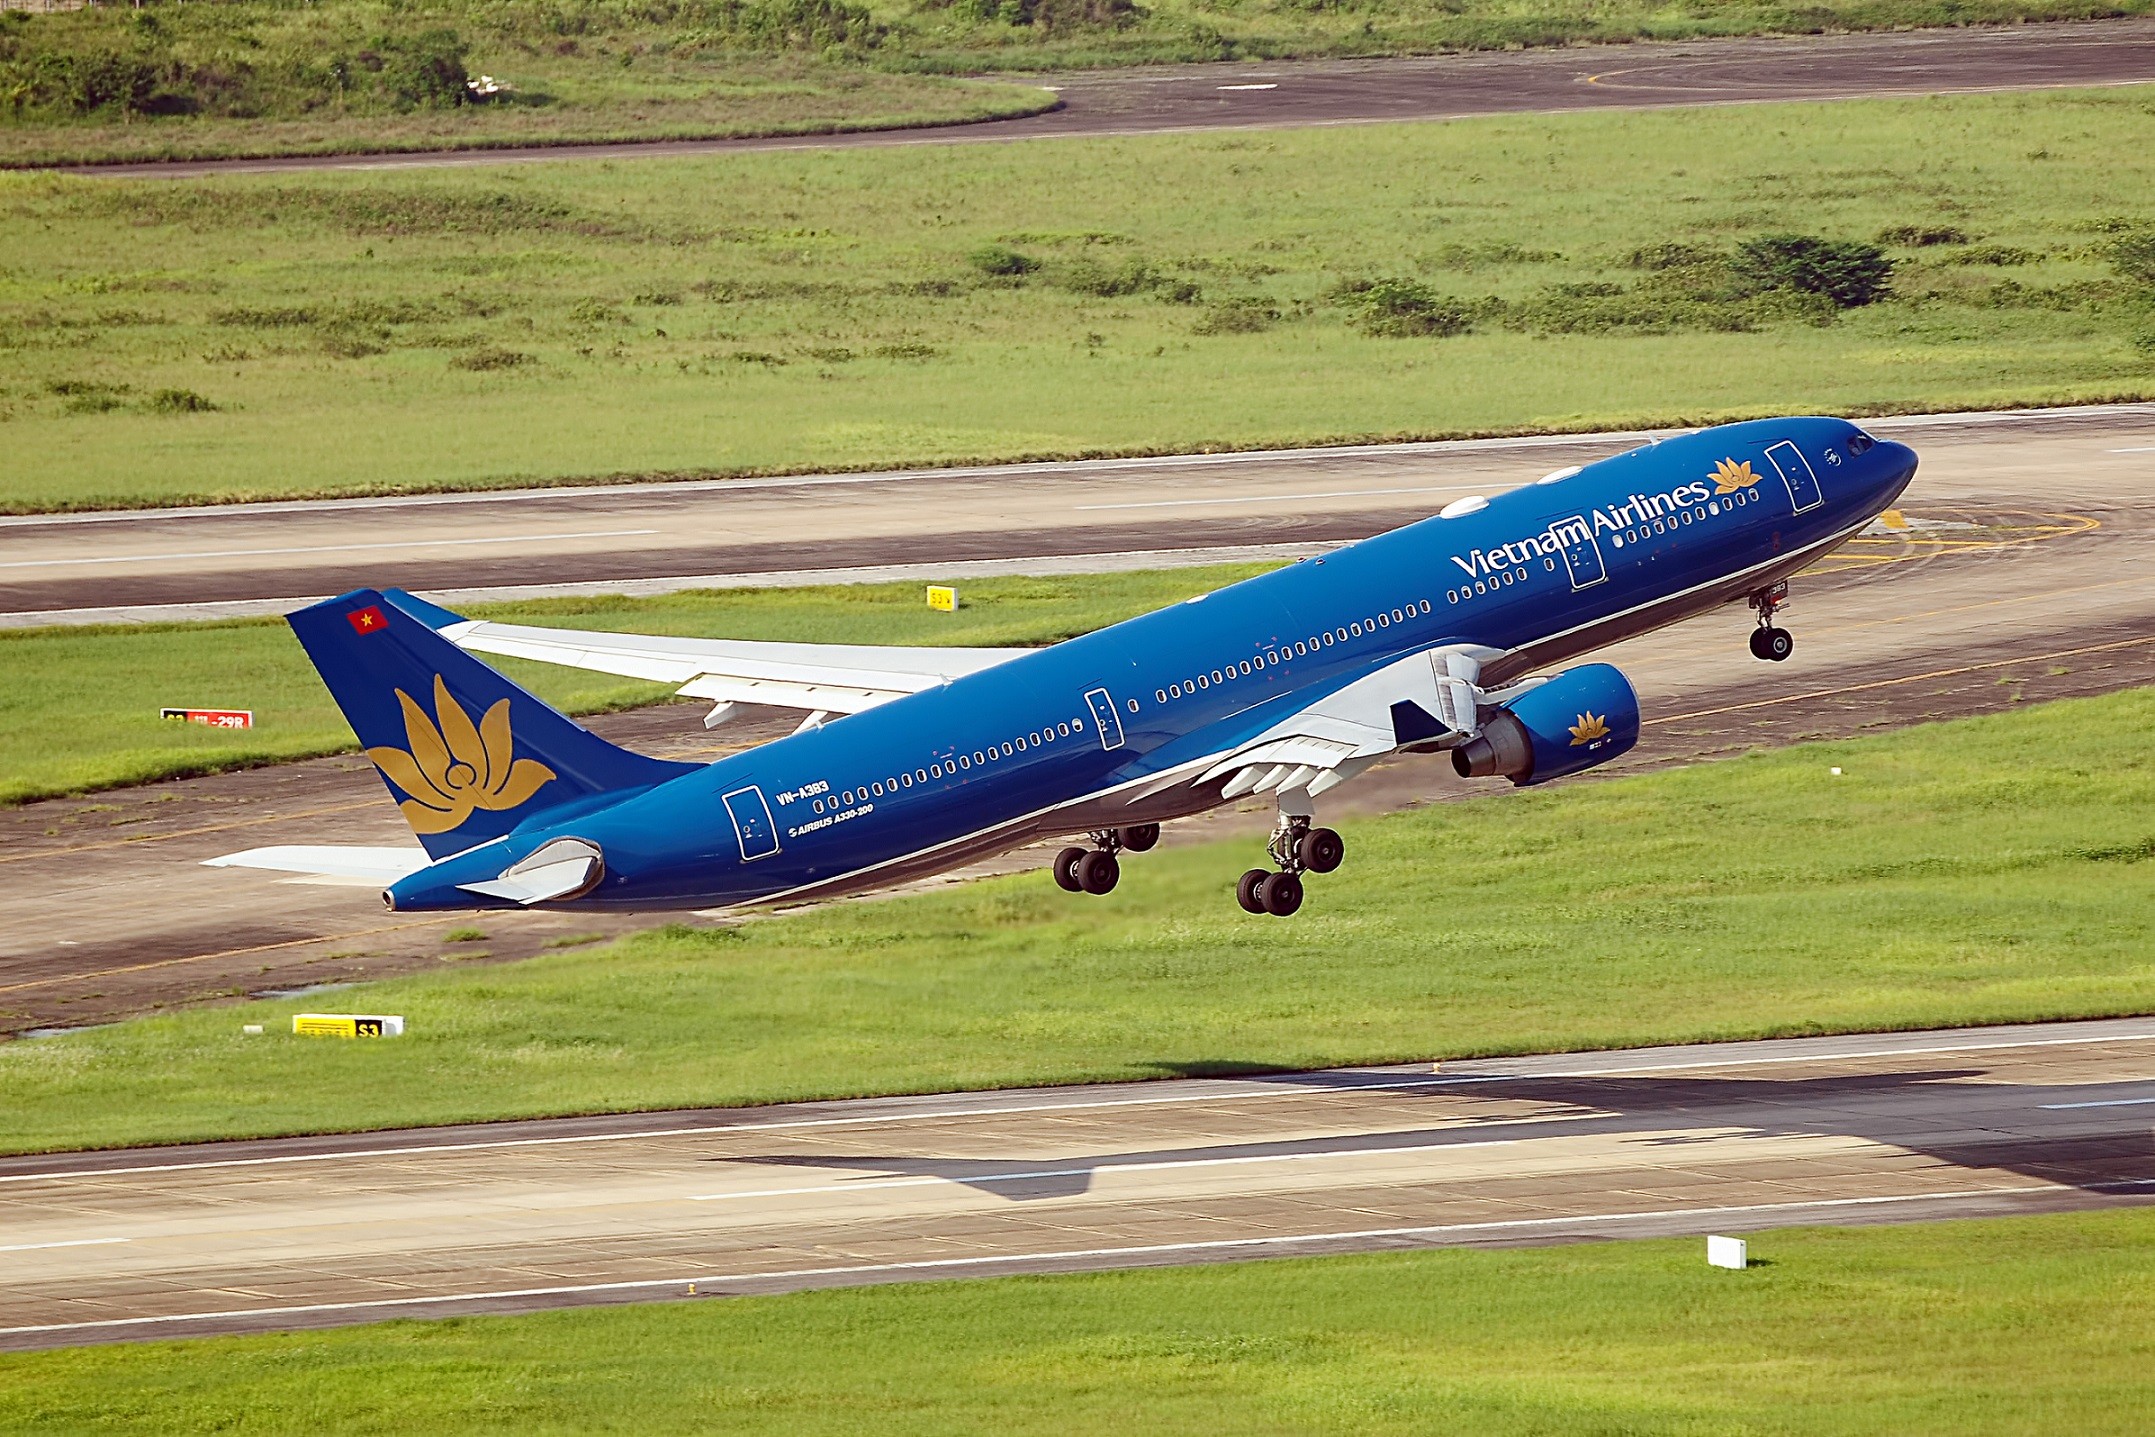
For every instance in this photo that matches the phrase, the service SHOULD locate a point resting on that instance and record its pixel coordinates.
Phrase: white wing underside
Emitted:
(826, 678)
(1334, 739)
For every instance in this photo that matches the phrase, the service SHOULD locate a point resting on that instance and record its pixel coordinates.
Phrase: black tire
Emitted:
(1780, 643)
(1097, 871)
(1140, 838)
(1281, 893)
(1066, 869)
(1321, 850)
(1758, 644)
(1246, 890)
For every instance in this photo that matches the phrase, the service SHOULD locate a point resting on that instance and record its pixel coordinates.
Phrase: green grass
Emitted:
(248, 337)
(79, 711)
(1985, 870)
(2015, 1325)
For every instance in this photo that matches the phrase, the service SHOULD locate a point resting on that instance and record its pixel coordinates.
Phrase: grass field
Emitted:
(261, 336)
(80, 709)
(1984, 870)
(250, 77)
(2000, 1326)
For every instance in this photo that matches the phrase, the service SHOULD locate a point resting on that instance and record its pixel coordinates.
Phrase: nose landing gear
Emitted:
(1768, 642)
(1297, 848)
(1096, 869)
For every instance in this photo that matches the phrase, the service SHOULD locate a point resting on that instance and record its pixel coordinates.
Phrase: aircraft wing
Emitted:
(825, 678)
(1427, 699)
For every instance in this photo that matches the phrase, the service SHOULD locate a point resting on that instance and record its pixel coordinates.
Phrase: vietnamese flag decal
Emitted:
(369, 620)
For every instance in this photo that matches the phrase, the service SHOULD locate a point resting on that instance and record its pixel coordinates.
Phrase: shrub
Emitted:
(1085, 276)
(2004, 255)
(421, 70)
(180, 401)
(1055, 14)
(1848, 272)
(1001, 261)
(1242, 315)
(484, 360)
(1406, 308)
(246, 317)
(1921, 236)
(1672, 256)
(2133, 256)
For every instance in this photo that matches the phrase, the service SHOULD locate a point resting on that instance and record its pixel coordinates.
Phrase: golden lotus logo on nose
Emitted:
(1729, 476)
(1589, 727)
(454, 766)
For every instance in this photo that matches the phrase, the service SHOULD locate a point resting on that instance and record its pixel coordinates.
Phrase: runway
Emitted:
(264, 558)
(509, 1217)
(1253, 95)
(2027, 573)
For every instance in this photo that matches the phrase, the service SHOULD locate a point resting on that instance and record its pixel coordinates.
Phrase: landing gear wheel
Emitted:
(1281, 894)
(1066, 869)
(1140, 838)
(1246, 890)
(1097, 871)
(1320, 850)
(1772, 644)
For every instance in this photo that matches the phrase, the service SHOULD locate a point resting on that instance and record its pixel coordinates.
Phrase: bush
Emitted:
(2133, 256)
(422, 70)
(1921, 236)
(1406, 308)
(484, 360)
(1848, 272)
(1242, 315)
(1055, 14)
(180, 401)
(1001, 261)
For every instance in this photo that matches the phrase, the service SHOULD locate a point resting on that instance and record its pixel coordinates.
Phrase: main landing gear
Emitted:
(1297, 848)
(1768, 642)
(1096, 869)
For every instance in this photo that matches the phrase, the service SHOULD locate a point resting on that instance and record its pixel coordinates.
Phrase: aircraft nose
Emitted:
(1896, 465)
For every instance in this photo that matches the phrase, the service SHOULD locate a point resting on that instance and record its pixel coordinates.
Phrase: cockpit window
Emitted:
(1860, 443)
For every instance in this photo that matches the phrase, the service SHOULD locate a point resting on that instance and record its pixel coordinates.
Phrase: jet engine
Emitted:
(1577, 719)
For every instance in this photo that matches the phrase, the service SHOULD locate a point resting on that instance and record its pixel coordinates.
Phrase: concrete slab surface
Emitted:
(1733, 1137)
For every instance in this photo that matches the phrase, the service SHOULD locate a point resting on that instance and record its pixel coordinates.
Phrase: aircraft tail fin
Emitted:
(468, 754)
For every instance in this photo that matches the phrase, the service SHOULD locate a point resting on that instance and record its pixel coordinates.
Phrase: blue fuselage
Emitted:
(1045, 743)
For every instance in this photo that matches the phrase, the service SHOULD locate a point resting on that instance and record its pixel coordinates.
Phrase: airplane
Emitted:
(1446, 635)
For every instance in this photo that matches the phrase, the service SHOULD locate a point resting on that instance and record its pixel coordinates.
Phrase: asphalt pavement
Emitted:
(1243, 95)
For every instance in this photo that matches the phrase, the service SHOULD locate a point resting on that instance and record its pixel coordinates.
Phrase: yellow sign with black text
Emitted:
(943, 598)
(347, 1025)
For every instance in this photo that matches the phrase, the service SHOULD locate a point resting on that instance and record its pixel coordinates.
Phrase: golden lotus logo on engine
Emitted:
(1589, 727)
(1729, 476)
(455, 766)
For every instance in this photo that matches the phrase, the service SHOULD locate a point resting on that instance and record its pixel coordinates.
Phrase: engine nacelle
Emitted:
(1582, 717)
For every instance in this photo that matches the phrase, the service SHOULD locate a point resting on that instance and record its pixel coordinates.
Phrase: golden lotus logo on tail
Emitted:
(1589, 727)
(1729, 476)
(454, 766)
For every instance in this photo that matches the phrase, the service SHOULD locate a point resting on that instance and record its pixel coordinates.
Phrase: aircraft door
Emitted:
(752, 824)
(1105, 721)
(1582, 555)
(1803, 490)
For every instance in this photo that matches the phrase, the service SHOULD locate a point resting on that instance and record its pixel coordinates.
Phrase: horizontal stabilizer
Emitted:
(372, 865)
